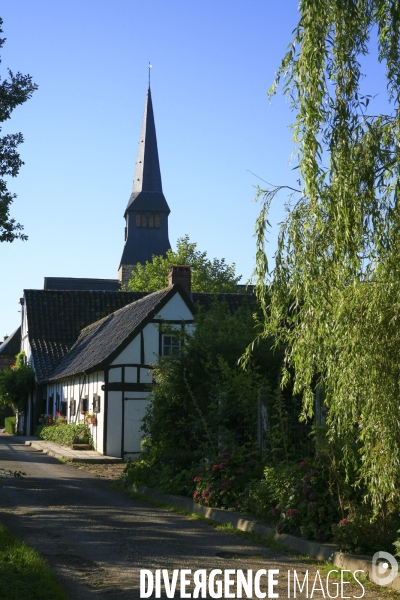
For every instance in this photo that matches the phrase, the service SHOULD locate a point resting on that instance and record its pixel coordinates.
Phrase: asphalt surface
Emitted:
(97, 539)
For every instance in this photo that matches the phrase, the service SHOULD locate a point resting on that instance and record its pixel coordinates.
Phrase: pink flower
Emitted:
(223, 465)
(225, 485)
(291, 512)
(215, 467)
(196, 495)
(344, 522)
(276, 511)
(206, 493)
(304, 464)
(196, 479)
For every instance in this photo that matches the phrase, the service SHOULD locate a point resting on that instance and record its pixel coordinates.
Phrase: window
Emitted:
(171, 344)
(85, 404)
(152, 221)
(96, 404)
(72, 408)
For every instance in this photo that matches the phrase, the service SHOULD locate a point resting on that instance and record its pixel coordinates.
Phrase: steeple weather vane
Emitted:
(150, 66)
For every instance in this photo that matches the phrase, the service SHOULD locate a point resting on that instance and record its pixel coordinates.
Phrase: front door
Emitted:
(135, 406)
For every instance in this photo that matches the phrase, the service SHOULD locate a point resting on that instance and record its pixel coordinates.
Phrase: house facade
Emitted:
(108, 370)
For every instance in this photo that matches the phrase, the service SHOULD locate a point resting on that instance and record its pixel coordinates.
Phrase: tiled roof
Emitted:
(81, 283)
(100, 342)
(12, 345)
(55, 319)
(233, 301)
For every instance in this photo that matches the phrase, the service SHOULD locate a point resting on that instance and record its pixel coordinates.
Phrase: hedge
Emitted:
(68, 434)
(9, 425)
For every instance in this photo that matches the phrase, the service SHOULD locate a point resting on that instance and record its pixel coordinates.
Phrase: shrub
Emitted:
(16, 383)
(163, 476)
(68, 434)
(9, 425)
(224, 482)
(302, 498)
(363, 533)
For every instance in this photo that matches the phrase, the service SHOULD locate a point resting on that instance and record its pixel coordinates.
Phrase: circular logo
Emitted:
(384, 568)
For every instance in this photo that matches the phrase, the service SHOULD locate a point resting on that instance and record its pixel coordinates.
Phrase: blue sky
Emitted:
(213, 63)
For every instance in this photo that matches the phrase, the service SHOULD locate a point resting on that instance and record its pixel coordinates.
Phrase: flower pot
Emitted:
(91, 421)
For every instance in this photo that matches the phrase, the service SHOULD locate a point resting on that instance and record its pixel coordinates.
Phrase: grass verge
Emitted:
(24, 573)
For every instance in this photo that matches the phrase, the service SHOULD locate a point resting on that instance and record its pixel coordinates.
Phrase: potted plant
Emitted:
(60, 419)
(91, 418)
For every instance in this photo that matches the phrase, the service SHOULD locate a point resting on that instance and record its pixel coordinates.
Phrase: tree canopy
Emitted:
(14, 90)
(335, 293)
(214, 275)
(16, 383)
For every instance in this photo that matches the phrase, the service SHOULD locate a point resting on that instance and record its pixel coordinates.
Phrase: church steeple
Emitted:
(146, 232)
(147, 173)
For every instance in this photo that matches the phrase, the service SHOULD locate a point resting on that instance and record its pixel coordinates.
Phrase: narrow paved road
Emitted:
(97, 539)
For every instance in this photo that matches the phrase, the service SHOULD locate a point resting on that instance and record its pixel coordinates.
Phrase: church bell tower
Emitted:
(146, 216)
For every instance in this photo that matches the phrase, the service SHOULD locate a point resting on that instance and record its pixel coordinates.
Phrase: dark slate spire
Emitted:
(147, 172)
(147, 211)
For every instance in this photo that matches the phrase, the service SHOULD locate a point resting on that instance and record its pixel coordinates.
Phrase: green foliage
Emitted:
(9, 424)
(361, 533)
(169, 478)
(24, 573)
(306, 501)
(333, 294)
(207, 275)
(224, 482)
(202, 400)
(16, 383)
(14, 91)
(66, 434)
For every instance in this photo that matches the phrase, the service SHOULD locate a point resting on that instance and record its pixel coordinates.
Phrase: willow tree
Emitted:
(334, 298)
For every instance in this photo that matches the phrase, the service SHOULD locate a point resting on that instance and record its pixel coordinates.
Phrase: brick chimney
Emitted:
(181, 274)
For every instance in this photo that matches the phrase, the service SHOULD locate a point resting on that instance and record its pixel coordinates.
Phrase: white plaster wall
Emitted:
(146, 376)
(151, 339)
(75, 389)
(25, 345)
(95, 381)
(131, 375)
(176, 309)
(114, 424)
(130, 355)
(115, 375)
